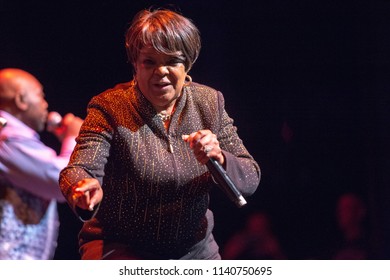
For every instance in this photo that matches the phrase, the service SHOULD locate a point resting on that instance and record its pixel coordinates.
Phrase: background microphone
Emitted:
(54, 120)
(3, 122)
(224, 182)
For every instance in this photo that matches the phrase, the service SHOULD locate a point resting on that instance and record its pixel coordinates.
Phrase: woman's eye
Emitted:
(175, 61)
(148, 62)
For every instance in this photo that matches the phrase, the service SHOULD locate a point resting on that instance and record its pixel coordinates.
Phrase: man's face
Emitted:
(35, 115)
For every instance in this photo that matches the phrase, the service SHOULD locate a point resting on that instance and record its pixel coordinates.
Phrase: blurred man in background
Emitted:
(29, 169)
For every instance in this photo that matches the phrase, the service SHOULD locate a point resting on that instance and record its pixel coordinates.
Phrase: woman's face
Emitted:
(160, 77)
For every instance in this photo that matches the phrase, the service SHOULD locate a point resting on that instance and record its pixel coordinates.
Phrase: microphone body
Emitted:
(225, 183)
(54, 120)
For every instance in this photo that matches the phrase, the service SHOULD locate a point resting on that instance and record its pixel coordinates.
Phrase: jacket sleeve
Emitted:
(239, 164)
(91, 152)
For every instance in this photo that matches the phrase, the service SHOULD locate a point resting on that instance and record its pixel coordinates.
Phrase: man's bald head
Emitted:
(14, 81)
(21, 95)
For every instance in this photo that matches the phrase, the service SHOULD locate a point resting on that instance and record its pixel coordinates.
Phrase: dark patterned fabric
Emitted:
(156, 194)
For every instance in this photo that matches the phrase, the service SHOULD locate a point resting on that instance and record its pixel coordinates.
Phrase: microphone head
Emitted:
(3, 122)
(54, 120)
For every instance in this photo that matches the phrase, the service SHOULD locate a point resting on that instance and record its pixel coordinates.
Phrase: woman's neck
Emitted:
(165, 114)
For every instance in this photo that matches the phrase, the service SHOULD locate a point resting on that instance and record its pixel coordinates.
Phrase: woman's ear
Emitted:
(21, 101)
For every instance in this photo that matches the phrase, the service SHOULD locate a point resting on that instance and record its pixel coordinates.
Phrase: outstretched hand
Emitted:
(87, 193)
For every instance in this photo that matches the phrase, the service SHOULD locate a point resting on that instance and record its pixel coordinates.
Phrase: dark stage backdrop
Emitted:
(305, 81)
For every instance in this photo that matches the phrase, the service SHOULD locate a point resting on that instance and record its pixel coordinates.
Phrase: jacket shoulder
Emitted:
(198, 88)
(116, 94)
(204, 93)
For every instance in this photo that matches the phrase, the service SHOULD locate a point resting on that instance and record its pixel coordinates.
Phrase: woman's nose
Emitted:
(162, 70)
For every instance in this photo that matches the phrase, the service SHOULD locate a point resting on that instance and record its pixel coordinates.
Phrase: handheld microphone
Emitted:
(224, 182)
(3, 122)
(54, 120)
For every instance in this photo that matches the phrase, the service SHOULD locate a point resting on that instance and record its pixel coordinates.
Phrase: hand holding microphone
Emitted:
(205, 145)
(62, 127)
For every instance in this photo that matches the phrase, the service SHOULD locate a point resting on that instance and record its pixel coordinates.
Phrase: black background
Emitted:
(317, 68)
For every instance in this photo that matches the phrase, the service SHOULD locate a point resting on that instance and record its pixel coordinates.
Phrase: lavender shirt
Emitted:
(29, 191)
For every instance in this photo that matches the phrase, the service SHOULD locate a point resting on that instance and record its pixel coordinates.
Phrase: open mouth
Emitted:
(162, 85)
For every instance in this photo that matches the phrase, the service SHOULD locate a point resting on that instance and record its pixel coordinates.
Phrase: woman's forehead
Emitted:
(150, 50)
